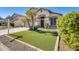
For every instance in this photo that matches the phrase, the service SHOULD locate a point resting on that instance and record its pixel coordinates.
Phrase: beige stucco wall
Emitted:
(45, 12)
(46, 20)
(18, 22)
(57, 15)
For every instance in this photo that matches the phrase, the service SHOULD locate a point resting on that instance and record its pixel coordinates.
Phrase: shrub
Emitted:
(46, 25)
(68, 29)
(35, 28)
(12, 24)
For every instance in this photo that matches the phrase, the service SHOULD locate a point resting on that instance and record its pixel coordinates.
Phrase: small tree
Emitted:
(26, 19)
(31, 13)
(68, 29)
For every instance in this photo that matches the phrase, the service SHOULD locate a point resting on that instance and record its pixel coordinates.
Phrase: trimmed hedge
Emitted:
(68, 29)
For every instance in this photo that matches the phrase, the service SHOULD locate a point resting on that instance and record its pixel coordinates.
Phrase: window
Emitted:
(53, 20)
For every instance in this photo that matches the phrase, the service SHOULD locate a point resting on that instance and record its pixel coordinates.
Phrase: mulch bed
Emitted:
(64, 47)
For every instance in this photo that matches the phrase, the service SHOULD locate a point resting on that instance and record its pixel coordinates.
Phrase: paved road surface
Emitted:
(3, 47)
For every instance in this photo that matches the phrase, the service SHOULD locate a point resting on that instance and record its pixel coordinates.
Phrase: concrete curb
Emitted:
(26, 44)
(57, 44)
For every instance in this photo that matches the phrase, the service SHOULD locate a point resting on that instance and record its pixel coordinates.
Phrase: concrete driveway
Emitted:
(12, 30)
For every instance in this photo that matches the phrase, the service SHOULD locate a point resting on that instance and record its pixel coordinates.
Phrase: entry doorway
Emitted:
(42, 23)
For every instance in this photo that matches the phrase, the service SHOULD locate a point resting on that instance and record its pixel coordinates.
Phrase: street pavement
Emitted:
(3, 47)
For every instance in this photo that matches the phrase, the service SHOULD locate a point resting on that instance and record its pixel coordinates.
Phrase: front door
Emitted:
(42, 23)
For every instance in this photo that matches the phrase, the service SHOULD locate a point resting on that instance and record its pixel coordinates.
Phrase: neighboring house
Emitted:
(45, 16)
(2, 21)
(16, 20)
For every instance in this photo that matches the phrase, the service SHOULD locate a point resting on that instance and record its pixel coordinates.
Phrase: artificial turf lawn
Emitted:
(42, 40)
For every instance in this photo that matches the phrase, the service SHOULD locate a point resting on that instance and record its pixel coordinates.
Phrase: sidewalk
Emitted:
(12, 30)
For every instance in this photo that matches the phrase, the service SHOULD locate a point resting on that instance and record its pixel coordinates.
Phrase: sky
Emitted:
(6, 11)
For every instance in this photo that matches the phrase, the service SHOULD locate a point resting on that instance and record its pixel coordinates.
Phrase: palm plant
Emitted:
(31, 13)
(26, 19)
